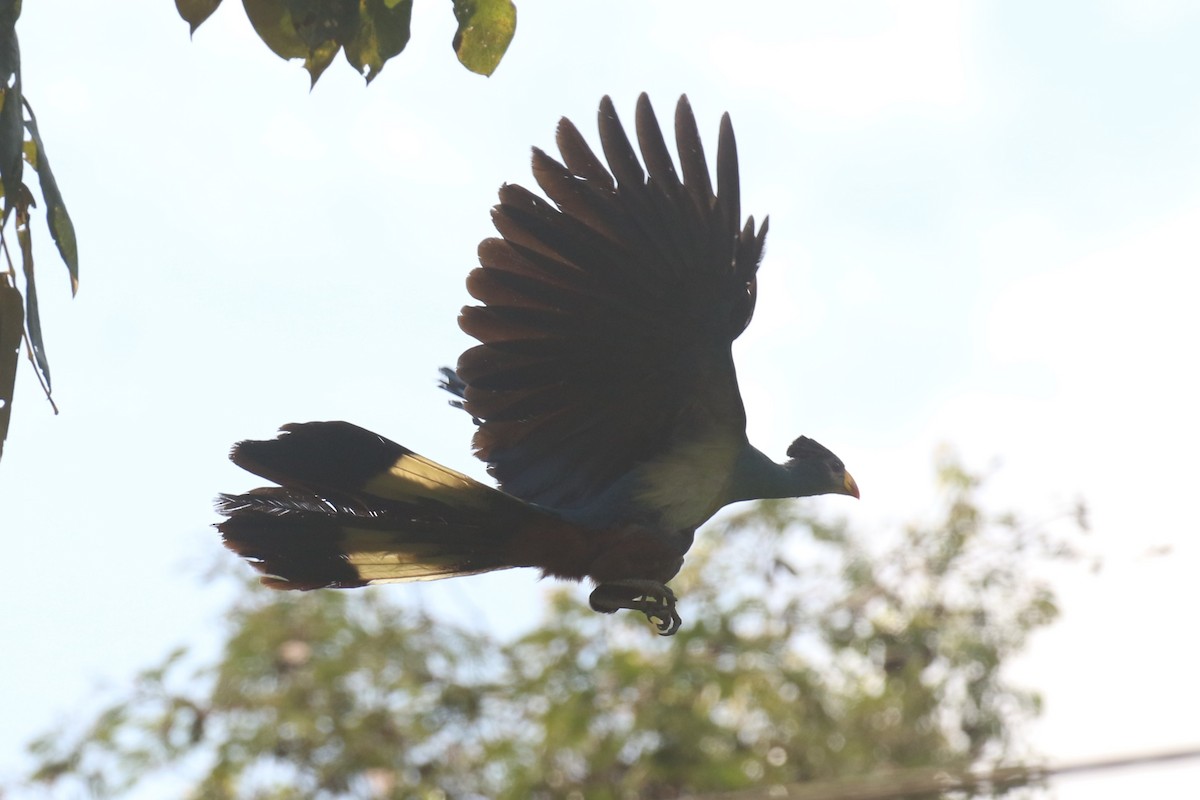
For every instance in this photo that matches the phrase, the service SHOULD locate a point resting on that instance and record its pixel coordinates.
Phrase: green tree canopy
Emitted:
(812, 652)
(369, 32)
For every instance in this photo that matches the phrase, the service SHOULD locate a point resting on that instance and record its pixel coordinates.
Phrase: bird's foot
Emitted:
(654, 599)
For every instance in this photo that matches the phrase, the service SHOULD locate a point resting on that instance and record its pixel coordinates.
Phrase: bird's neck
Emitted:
(756, 477)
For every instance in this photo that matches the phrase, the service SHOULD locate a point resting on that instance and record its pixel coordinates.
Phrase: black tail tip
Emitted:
(291, 553)
(334, 456)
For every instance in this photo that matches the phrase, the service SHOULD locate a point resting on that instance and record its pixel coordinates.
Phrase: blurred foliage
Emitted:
(810, 652)
(21, 144)
(369, 32)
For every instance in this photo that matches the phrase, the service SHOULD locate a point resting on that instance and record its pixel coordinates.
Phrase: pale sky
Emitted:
(985, 232)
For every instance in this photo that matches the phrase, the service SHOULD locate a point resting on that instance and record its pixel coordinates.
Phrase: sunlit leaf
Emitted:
(320, 58)
(383, 32)
(485, 29)
(194, 12)
(12, 323)
(62, 230)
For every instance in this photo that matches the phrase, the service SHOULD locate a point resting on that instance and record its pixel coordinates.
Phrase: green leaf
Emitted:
(12, 323)
(383, 32)
(320, 23)
(62, 230)
(272, 22)
(11, 133)
(9, 11)
(33, 319)
(485, 29)
(194, 12)
(371, 31)
(310, 29)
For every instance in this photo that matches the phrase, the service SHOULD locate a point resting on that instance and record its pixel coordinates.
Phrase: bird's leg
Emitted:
(654, 599)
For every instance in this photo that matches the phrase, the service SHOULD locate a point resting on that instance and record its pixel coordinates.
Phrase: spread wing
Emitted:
(608, 313)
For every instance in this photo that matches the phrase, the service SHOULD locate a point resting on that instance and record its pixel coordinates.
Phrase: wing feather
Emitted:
(607, 310)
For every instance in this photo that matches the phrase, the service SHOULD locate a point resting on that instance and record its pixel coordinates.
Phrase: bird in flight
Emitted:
(602, 388)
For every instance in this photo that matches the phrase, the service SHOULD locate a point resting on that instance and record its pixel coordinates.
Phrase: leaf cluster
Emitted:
(369, 32)
(809, 653)
(20, 144)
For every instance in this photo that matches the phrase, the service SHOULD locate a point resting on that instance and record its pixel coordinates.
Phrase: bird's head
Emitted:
(822, 472)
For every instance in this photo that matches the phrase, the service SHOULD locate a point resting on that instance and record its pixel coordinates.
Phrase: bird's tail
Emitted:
(353, 508)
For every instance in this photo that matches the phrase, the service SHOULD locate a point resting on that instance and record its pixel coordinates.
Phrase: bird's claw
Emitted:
(654, 599)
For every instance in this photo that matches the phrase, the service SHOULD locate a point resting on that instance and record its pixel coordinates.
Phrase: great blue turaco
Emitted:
(603, 391)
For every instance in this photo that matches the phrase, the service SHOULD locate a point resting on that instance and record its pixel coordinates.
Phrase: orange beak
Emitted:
(850, 486)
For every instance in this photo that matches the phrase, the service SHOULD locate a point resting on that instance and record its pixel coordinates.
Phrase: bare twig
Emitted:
(902, 783)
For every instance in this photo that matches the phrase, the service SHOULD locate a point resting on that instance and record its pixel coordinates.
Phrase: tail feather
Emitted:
(354, 508)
